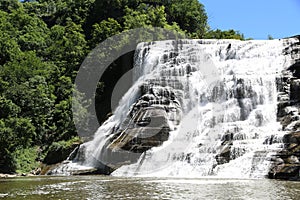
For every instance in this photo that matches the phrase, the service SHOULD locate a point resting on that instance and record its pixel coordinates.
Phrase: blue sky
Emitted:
(255, 18)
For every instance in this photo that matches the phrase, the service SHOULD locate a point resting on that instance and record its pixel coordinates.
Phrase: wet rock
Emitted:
(92, 171)
(36, 171)
(23, 174)
(288, 86)
(286, 172)
(295, 91)
(292, 138)
(7, 176)
(146, 126)
(59, 153)
(286, 163)
(224, 155)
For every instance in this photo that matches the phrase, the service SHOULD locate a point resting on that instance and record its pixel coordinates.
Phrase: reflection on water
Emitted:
(99, 187)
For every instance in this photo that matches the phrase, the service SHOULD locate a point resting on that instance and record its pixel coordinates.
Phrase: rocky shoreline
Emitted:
(3, 176)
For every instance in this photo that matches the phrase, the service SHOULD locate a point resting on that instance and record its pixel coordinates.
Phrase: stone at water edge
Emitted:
(59, 154)
(287, 162)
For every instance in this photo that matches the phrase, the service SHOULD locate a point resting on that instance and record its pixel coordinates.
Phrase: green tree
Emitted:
(31, 32)
(59, 12)
(9, 47)
(104, 29)
(36, 100)
(8, 108)
(189, 15)
(270, 37)
(144, 16)
(15, 133)
(24, 66)
(219, 34)
(68, 47)
(9, 5)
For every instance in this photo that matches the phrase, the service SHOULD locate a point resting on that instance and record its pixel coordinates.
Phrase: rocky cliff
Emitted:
(146, 126)
(286, 164)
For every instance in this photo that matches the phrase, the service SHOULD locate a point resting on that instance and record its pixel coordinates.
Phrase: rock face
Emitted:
(225, 155)
(59, 154)
(286, 163)
(146, 126)
(140, 132)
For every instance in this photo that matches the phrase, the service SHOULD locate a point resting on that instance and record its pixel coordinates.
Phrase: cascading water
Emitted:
(216, 106)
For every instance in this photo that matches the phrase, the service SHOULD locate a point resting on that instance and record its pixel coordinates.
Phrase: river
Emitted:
(107, 187)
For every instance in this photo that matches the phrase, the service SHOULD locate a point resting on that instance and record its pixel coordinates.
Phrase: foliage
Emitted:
(104, 29)
(15, 133)
(26, 159)
(9, 5)
(144, 16)
(270, 37)
(229, 34)
(68, 48)
(8, 108)
(189, 15)
(64, 144)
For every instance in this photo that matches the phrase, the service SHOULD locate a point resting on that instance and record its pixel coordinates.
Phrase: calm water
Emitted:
(98, 187)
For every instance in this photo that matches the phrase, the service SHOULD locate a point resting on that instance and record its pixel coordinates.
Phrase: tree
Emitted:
(218, 34)
(144, 16)
(9, 5)
(270, 37)
(9, 47)
(8, 108)
(15, 133)
(68, 47)
(36, 100)
(59, 12)
(189, 15)
(24, 66)
(31, 32)
(104, 29)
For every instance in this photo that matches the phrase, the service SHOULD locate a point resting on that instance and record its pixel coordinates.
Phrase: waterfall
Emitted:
(209, 108)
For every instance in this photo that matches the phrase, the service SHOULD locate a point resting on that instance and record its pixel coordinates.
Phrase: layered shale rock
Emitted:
(148, 124)
(286, 163)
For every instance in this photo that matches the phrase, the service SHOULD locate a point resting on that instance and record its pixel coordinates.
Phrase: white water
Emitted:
(227, 87)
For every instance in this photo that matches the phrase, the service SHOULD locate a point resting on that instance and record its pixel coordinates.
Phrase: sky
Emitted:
(255, 18)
